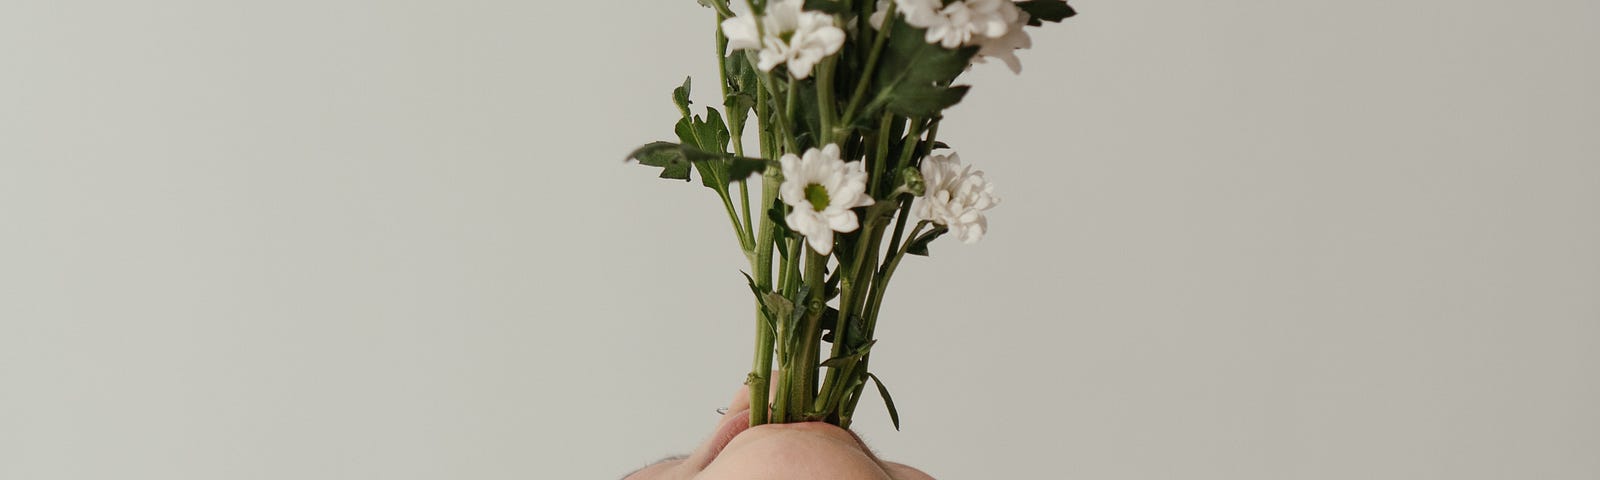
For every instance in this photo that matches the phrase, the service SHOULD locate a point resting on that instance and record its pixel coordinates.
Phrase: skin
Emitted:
(796, 451)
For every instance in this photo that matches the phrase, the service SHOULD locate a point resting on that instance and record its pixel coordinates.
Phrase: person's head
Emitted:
(797, 451)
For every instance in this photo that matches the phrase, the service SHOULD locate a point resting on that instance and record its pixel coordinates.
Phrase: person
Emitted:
(794, 451)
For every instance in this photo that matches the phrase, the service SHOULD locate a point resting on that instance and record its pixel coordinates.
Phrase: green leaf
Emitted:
(741, 72)
(927, 102)
(919, 246)
(858, 328)
(773, 305)
(833, 7)
(888, 401)
(916, 75)
(680, 97)
(713, 132)
(1046, 11)
(776, 215)
(676, 159)
(799, 311)
(666, 155)
(739, 104)
(850, 358)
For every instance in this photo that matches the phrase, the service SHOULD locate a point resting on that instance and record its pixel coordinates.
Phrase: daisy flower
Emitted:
(956, 197)
(821, 190)
(787, 35)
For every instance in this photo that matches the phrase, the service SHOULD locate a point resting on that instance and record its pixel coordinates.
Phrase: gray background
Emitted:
(343, 239)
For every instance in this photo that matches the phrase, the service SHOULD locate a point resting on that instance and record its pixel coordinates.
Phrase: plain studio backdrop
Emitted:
(347, 239)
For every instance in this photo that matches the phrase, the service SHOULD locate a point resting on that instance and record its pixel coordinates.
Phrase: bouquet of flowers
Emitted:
(846, 97)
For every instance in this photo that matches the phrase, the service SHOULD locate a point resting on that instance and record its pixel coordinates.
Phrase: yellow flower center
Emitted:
(818, 196)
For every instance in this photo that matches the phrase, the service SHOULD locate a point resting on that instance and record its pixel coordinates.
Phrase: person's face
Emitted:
(737, 451)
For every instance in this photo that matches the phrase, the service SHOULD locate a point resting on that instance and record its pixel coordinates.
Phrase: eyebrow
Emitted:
(652, 464)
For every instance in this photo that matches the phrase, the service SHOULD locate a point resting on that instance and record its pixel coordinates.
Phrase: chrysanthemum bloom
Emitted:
(956, 197)
(787, 34)
(821, 190)
(1005, 47)
(957, 24)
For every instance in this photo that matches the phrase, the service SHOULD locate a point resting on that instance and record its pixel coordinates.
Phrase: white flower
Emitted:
(876, 20)
(956, 197)
(793, 36)
(1004, 47)
(957, 24)
(821, 189)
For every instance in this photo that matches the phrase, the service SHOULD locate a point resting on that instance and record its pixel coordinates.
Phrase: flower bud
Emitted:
(911, 181)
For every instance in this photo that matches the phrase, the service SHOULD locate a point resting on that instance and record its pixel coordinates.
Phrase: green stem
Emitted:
(760, 378)
(900, 224)
(911, 145)
(782, 118)
(825, 102)
(859, 370)
(872, 67)
(855, 287)
(721, 6)
(736, 129)
(810, 335)
(882, 157)
(745, 243)
(790, 103)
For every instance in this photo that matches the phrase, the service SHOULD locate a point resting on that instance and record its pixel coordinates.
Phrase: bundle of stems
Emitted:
(872, 96)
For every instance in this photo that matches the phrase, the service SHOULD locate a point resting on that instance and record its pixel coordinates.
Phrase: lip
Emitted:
(732, 425)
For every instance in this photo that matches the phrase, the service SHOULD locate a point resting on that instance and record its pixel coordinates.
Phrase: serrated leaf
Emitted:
(919, 245)
(739, 102)
(888, 401)
(915, 75)
(685, 131)
(676, 160)
(713, 132)
(680, 97)
(926, 102)
(1046, 11)
(666, 155)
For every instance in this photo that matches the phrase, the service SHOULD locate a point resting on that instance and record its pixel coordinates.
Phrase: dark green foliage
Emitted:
(888, 401)
(1040, 11)
(680, 96)
(666, 155)
(834, 7)
(675, 161)
(919, 246)
(742, 84)
(703, 145)
(850, 358)
(914, 76)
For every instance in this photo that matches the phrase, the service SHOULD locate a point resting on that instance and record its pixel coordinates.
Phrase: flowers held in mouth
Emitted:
(787, 34)
(956, 197)
(821, 189)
